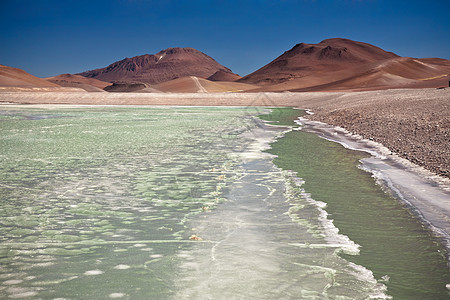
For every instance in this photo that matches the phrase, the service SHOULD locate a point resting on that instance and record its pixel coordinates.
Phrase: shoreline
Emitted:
(245, 222)
(426, 195)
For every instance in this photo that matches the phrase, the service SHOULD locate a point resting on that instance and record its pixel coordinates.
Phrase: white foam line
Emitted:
(339, 241)
(332, 235)
(381, 152)
(426, 194)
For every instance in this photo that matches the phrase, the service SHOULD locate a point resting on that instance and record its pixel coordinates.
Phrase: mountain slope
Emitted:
(166, 65)
(222, 75)
(192, 84)
(13, 77)
(341, 64)
(78, 81)
(306, 59)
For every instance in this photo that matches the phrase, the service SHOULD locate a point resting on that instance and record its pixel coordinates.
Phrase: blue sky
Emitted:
(47, 38)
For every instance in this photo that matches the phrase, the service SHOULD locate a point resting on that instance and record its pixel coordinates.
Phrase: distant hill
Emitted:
(78, 81)
(342, 64)
(192, 84)
(166, 65)
(13, 77)
(327, 56)
(332, 65)
(222, 75)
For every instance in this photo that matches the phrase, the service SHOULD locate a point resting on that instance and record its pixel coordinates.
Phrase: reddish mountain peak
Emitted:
(338, 48)
(328, 55)
(317, 51)
(166, 65)
(178, 50)
(332, 41)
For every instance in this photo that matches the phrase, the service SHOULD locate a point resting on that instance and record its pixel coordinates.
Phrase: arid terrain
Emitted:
(332, 65)
(345, 65)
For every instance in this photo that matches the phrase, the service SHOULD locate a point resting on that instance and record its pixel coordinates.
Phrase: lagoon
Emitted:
(183, 202)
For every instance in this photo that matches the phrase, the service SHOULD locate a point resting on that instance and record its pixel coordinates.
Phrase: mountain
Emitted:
(327, 56)
(166, 65)
(342, 64)
(192, 84)
(13, 77)
(222, 75)
(78, 81)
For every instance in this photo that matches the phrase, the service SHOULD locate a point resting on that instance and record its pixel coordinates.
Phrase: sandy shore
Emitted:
(415, 123)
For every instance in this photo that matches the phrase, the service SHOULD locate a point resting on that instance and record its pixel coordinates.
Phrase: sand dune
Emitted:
(13, 77)
(222, 75)
(17, 80)
(194, 84)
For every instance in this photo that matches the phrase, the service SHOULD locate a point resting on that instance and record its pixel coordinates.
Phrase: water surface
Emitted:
(171, 203)
(400, 250)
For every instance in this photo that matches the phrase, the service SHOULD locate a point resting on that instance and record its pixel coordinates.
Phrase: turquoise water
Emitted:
(393, 243)
(93, 201)
(182, 203)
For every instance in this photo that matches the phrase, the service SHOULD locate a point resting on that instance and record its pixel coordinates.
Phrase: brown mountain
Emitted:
(13, 77)
(304, 59)
(192, 84)
(342, 64)
(166, 65)
(222, 75)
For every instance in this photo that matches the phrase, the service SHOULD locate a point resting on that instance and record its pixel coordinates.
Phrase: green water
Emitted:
(101, 202)
(283, 116)
(94, 201)
(394, 245)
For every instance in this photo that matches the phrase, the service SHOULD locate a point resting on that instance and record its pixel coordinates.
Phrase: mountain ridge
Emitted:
(335, 64)
(328, 55)
(165, 65)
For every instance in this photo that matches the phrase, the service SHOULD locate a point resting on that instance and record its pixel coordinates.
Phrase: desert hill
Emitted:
(166, 65)
(342, 64)
(17, 80)
(222, 75)
(13, 77)
(193, 84)
(78, 81)
(304, 59)
(331, 65)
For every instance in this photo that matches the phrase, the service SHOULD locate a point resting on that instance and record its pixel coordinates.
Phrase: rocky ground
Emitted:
(413, 123)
